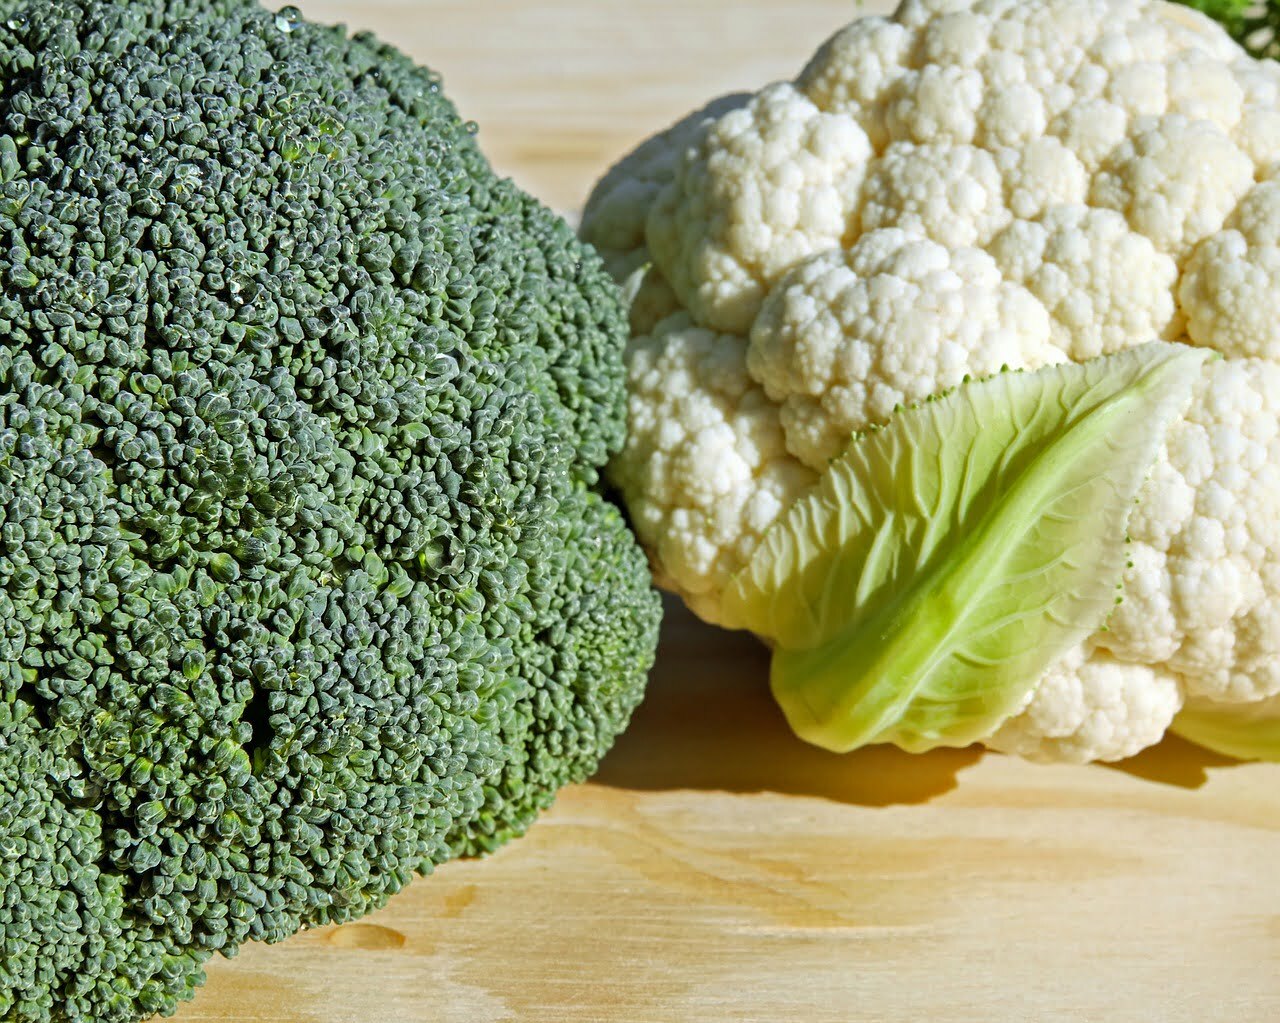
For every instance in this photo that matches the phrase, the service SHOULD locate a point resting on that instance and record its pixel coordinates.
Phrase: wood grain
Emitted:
(718, 869)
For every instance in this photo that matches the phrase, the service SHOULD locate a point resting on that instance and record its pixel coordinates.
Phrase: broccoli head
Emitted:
(306, 584)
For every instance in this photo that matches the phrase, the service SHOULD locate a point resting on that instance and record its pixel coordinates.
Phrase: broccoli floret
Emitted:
(305, 582)
(579, 664)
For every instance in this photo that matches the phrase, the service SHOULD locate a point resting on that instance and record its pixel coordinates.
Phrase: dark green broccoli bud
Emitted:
(304, 583)
(577, 654)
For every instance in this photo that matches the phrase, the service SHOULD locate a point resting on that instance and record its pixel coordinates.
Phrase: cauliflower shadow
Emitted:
(709, 722)
(1174, 762)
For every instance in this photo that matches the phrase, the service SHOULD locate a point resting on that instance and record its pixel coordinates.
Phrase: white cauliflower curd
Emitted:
(959, 188)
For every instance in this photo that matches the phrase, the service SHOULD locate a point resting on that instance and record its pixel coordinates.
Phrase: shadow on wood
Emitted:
(1174, 762)
(710, 722)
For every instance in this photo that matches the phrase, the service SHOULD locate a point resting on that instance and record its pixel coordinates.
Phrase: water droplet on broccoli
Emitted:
(288, 19)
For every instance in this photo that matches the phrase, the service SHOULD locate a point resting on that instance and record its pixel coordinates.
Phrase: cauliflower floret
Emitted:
(705, 470)
(1039, 176)
(1202, 596)
(1091, 130)
(1090, 706)
(1202, 88)
(1189, 29)
(1191, 84)
(920, 13)
(614, 220)
(1151, 61)
(853, 71)
(965, 185)
(936, 105)
(952, 194)
(1103, 284)
(1258, 130)
(1173, 200)
(1231, 281)
(768, 185)
(848, 336)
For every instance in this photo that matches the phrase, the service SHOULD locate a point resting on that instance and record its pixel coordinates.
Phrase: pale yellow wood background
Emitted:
(718, 870)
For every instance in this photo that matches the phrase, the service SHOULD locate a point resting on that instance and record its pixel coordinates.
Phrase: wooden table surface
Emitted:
(718, 869)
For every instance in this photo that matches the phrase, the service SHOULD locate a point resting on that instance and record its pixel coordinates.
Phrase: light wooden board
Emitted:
(718, 869)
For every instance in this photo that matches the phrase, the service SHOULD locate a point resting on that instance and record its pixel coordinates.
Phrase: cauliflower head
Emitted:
(957, 188)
